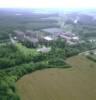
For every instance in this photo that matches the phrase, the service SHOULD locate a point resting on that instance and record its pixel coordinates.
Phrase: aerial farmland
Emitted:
(47, 56)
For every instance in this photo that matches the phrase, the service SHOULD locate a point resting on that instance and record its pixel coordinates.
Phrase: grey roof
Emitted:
(33, 40)
(52, 30)
(18, 32)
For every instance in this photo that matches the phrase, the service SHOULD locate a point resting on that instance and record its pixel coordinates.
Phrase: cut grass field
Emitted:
(76, 83)
(26, 51)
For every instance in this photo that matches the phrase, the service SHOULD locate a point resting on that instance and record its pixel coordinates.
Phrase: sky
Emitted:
(47, 3)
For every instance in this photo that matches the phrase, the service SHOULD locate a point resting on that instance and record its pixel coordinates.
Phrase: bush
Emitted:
(91, 58)
(56, 62)
(13, 97)
(5, 63)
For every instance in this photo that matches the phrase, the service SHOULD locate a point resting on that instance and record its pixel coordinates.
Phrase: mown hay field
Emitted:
(76, 83)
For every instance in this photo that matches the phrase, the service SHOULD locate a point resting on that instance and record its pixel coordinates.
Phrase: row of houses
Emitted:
(50, 34)
(70, 37)
(31, 36)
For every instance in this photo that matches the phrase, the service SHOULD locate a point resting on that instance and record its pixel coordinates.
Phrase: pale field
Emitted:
(76, 83)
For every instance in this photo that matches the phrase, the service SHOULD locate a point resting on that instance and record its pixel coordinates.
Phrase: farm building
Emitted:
(44, 49)
(48, 38)
(19, 35)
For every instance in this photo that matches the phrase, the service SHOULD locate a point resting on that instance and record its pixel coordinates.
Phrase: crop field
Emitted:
(76, 83)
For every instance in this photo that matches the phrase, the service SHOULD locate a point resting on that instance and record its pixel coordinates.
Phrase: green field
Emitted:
(76, 83)
(92, 57)
(26, 51)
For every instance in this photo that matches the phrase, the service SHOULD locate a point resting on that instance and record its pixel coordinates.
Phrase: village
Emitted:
(47, 56)
(45, 36)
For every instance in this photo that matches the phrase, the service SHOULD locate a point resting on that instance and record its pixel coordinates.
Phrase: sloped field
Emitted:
(76, 83)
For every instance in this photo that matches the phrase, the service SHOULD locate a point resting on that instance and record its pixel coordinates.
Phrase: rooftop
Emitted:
(48, 38)
(52, 30)
(44, 49)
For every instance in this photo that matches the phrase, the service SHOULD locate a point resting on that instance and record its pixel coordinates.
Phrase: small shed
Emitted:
(44, 49)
